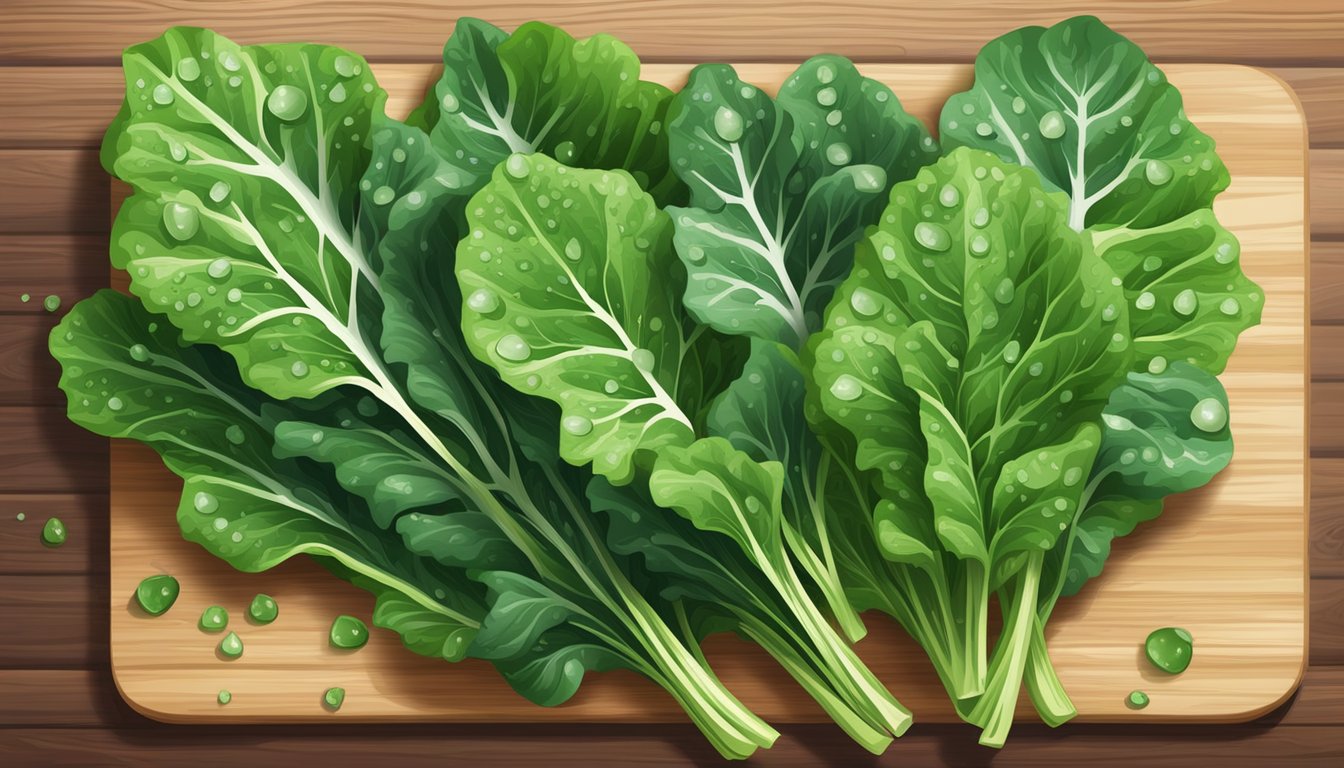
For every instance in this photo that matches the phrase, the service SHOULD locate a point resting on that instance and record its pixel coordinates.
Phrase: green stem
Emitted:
(804, 671)
(974, 631)
(1047, 692)
(994, 711)
(829, 583)
(854, 680)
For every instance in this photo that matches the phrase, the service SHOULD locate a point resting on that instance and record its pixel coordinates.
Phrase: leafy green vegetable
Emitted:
(975, 316)
(312, 270)
(1083, 106)
(540, 90)
(582, 311)
(781, 189)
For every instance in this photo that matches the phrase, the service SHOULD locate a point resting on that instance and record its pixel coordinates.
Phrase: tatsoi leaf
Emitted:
(1085, 108)
(552, 672)
(1164, 433)
(521, 610)
(128, 376)
(781, 189)
(465, 539)
(721, 489)
(421, 630)
(573, 295)
(540, 90)
(973, 295)
(233, 151)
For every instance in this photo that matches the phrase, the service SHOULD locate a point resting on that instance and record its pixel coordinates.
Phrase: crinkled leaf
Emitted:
(244, 228)
(1163, 433)
(782, 188)
(127, 375)
(540, 90)
(521, 610)
(974, 297)
(573, 294)
(551, 673)
(723, 490)
(466, 539)
(1086, 108)
(421, 630)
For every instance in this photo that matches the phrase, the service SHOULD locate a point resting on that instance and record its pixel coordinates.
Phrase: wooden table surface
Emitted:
(58, 89)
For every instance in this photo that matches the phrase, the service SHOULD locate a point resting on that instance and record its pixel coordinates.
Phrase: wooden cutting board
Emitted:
(1227, 562)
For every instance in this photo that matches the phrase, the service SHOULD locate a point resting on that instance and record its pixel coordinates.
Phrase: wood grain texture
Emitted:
(572, 746)
(1327, 419)
(93, 31)
(1327, 282)
(43, 452)
(51, 191)
(1243, 596)
(1321, 92)
(1327, 519)
(85, 548)
(69, 266)
(1327, 193)
(62, 624)
(1327, 617)
(28, 373)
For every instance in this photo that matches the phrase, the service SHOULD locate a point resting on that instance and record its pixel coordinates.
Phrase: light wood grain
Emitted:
(92, 31)
(1226, 562)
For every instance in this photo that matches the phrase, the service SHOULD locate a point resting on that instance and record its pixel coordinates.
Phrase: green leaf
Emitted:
(722, 489)
(573, 295)
(553, 671)
(540, 90)
(232, 151)
(422, 631)
(974, 300)
(781, 189)
(1164, 433)
(466, 539)
(1085, 107)
(521, 610)
(126, 375)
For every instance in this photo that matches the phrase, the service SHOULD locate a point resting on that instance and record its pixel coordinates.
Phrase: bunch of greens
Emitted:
(571, 371)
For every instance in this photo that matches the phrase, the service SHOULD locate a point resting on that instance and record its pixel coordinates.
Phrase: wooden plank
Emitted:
(1327, 282)
(1319, 701)
(1327, 621)
(85, 547)
(665, 746)
(52, 191)
(28, 373)
(1321, 92)
(1327, 418)
(60, 107)
(1254, 513)
(89, 31)
(1327, 193)
(68, 266)
(41, 451)
(1326, 341)
(53, 620)
(1327, 518)
(66, 698)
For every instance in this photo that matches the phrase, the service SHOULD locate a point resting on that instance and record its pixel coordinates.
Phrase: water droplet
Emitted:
(1169, 649)
(868, 178)
(299, 369)
(139, 353)
(287, 103)
(643, 359)
(1136, 700)
(345, 66)
(181, 221)
(219, 191)
(1051, 125)
(984, 130)
(1157, 172)
(838, 153)
(214, 619)
(163, 94)
(1224, 254)
(483, 301)
(728, 124)
(1019, 105)
(1157, 365)
(1035, 369)
(1011, 351)
(1151, 263)
(513, 348)
(1229, 307)
(53, 532)
(156, 594)
(932, 236)
(188, 69)
(263, 609)
(573, 250)
(337, 93)
(234, 295)
(333, 698)
(383, 195)
(219, 268)
(1005, 291)
(1185, 302)
(1146, 300)
(1209, 415)
(864, 303)
(826, 97)
(234, 434)
(825, 74)
(51, 303)
(846, 388)
(577, 425)
(979, 245)
(948, 196)
(980, 218)
(230, 61)
(610, 386)
(115, 404)
(231, 646)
